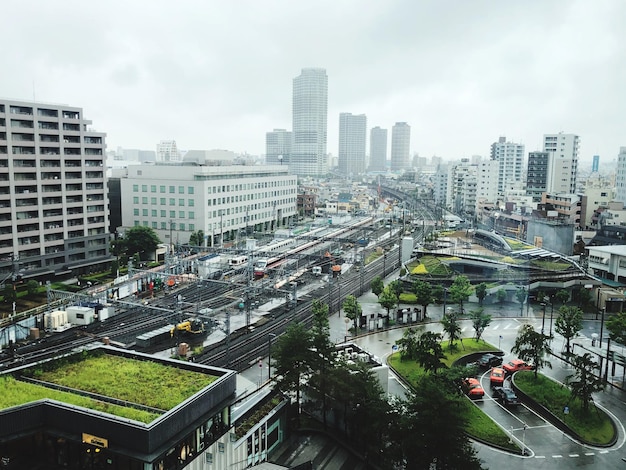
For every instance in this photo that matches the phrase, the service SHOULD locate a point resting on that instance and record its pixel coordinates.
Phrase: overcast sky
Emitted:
(215, 74)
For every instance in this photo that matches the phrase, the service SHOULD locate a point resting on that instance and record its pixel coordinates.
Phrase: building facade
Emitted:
(510, 158)
(53, 200)
(310, 115)
(352, 143)
(222, 201)
(563, 162)
(400, 146)
(378, 149)
(167, 151)
(278, 147)
(620, 177)
(537, 174)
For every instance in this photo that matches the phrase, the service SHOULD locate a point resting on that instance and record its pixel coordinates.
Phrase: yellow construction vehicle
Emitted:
(193, 326)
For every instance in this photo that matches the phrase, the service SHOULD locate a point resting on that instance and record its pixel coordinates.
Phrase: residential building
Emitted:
(568, 206)
(53, 200)
(278, 147)
(400, 146)
(537, 174)
(563, 162)
(310, 115)
(620, 177)
(486, 184)
(352, 143)
(510, 158)
(222, 201)
(167, 151)
(378, 149)
(306, 204)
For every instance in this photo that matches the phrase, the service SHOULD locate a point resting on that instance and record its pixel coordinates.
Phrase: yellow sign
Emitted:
(95, 440)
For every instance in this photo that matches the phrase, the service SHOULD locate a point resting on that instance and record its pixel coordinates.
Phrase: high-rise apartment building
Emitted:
(563, 164)
(537, 174)
(278, 147)
(620, 177)
(510, 158)
(167, 151)
(595, 164)
(400, 146)
(378, 149)
(352, 143)
(310, 115)
(53, 197)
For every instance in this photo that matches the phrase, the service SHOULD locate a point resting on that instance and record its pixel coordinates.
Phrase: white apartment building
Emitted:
(378, 149)
(310, 116)
(167, 151)
(562, 163)
(53, 200)
(441, 183)
(400, 146)
(620, 177)
(278, 147)
(487, 185)
(222, 201)
(352, 143)
(510, 158)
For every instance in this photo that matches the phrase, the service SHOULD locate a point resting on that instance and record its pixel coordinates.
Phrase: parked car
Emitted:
(506, 396)
(496, 378)
(472, 388)
(487, 361)
(515, 365)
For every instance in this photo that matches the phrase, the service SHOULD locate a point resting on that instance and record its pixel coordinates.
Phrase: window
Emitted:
(153, 201)
(144, 200)
(135, 188)
(135, 211)
(191, 215)
(190, 190)
(181, 190)
(181, 202)
(162, 201)
(190, 202)
(135, 199)
(181, 226)
(153, 188)
(181, 214)
(172, 201)
(173, 214)
(153, 212)
(144, 188)
(162, 189)
(192, 227)
(144, 212)
(163, 225)
(172, 189)
(163, 213)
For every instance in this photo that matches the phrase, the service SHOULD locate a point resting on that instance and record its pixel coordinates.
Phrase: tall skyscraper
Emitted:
(352, 143)
(378, 149)
(563, 164)
(595, 164)
(310, 114)
(54, 199)
(278, 147)
(400, 146)
(620, 176)
(510, 158)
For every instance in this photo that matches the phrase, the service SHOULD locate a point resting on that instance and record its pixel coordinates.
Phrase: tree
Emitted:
(428, 352)
(438, 292)
(501, 295)
(407, 345)
(520, 295)
(562, 296)
(459, 291)
(568, 323)
(323, 361)
(583, 382)
(9, 294)
(115, 266)
(292, 358)
(397, 287)
(480, 321)
(377, 285)
(616, 326)
(584, 296)
(387, 299)
(353, 310)
(481, 292)
(450, 322)
(532, 347)
(423, 294)
(32, 286)
(141, 240)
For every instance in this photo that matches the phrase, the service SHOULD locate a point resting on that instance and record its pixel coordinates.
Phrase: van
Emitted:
(316, 270)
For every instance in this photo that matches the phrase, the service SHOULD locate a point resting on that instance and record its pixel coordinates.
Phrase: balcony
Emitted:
(22, 124)
(23, 110)
(49, 138)
(71, 127)
(49, 126)
(71, 115)
(23, 150)
(43, 112)
(49, 164)
(49, 151)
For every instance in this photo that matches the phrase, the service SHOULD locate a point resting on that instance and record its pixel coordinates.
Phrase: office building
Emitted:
(378, 149)
(400, 146)
(620, 177)
(278, 147)
(563, 162)
(510, 158)
(310, 115)
(225, 202)
(167, 151)
(53, 200)
(352, 144)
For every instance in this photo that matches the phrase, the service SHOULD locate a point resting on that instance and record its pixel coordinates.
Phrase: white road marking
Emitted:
(574, 455)
(557, 456)
(540, 456)
(589, 454)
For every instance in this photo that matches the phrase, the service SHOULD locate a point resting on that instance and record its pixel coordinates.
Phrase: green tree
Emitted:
(583, 382)
(423, 294)
(292, 358)
(616, 326)
(114, 267)
(521, 295)
(377, 285)
(429, 353)
(584, 297)
(438, 293)
(481, 292)
(568, 323)
(429, 431)
(459, 291)
(118, 248)
(450, 322)
(32, 286)
(532, 347)
(480, 321)
(501, 295)
(562, 296)
(387, 299)
(407, 345)
(9, 294)
(141, 240)
(397, 287)
(319, 384)
(353, 310)
(200, 237)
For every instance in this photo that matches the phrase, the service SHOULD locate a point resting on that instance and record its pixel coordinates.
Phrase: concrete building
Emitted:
(378, 149)
(222, 201)
(510, 158)
(563, 162)
(620, 177)
(167, 151)
(352, 143)
(486, 184)
(537, 174)
(568, 206)
(400, 146)
(552, 234)
(53, 200)
(278, 147)
(310, 115)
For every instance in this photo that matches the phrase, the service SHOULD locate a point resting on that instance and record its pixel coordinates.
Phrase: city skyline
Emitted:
(219, 76)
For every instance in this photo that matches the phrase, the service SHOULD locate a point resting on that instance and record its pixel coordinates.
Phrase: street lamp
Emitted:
(551, 315)
(269, 355)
